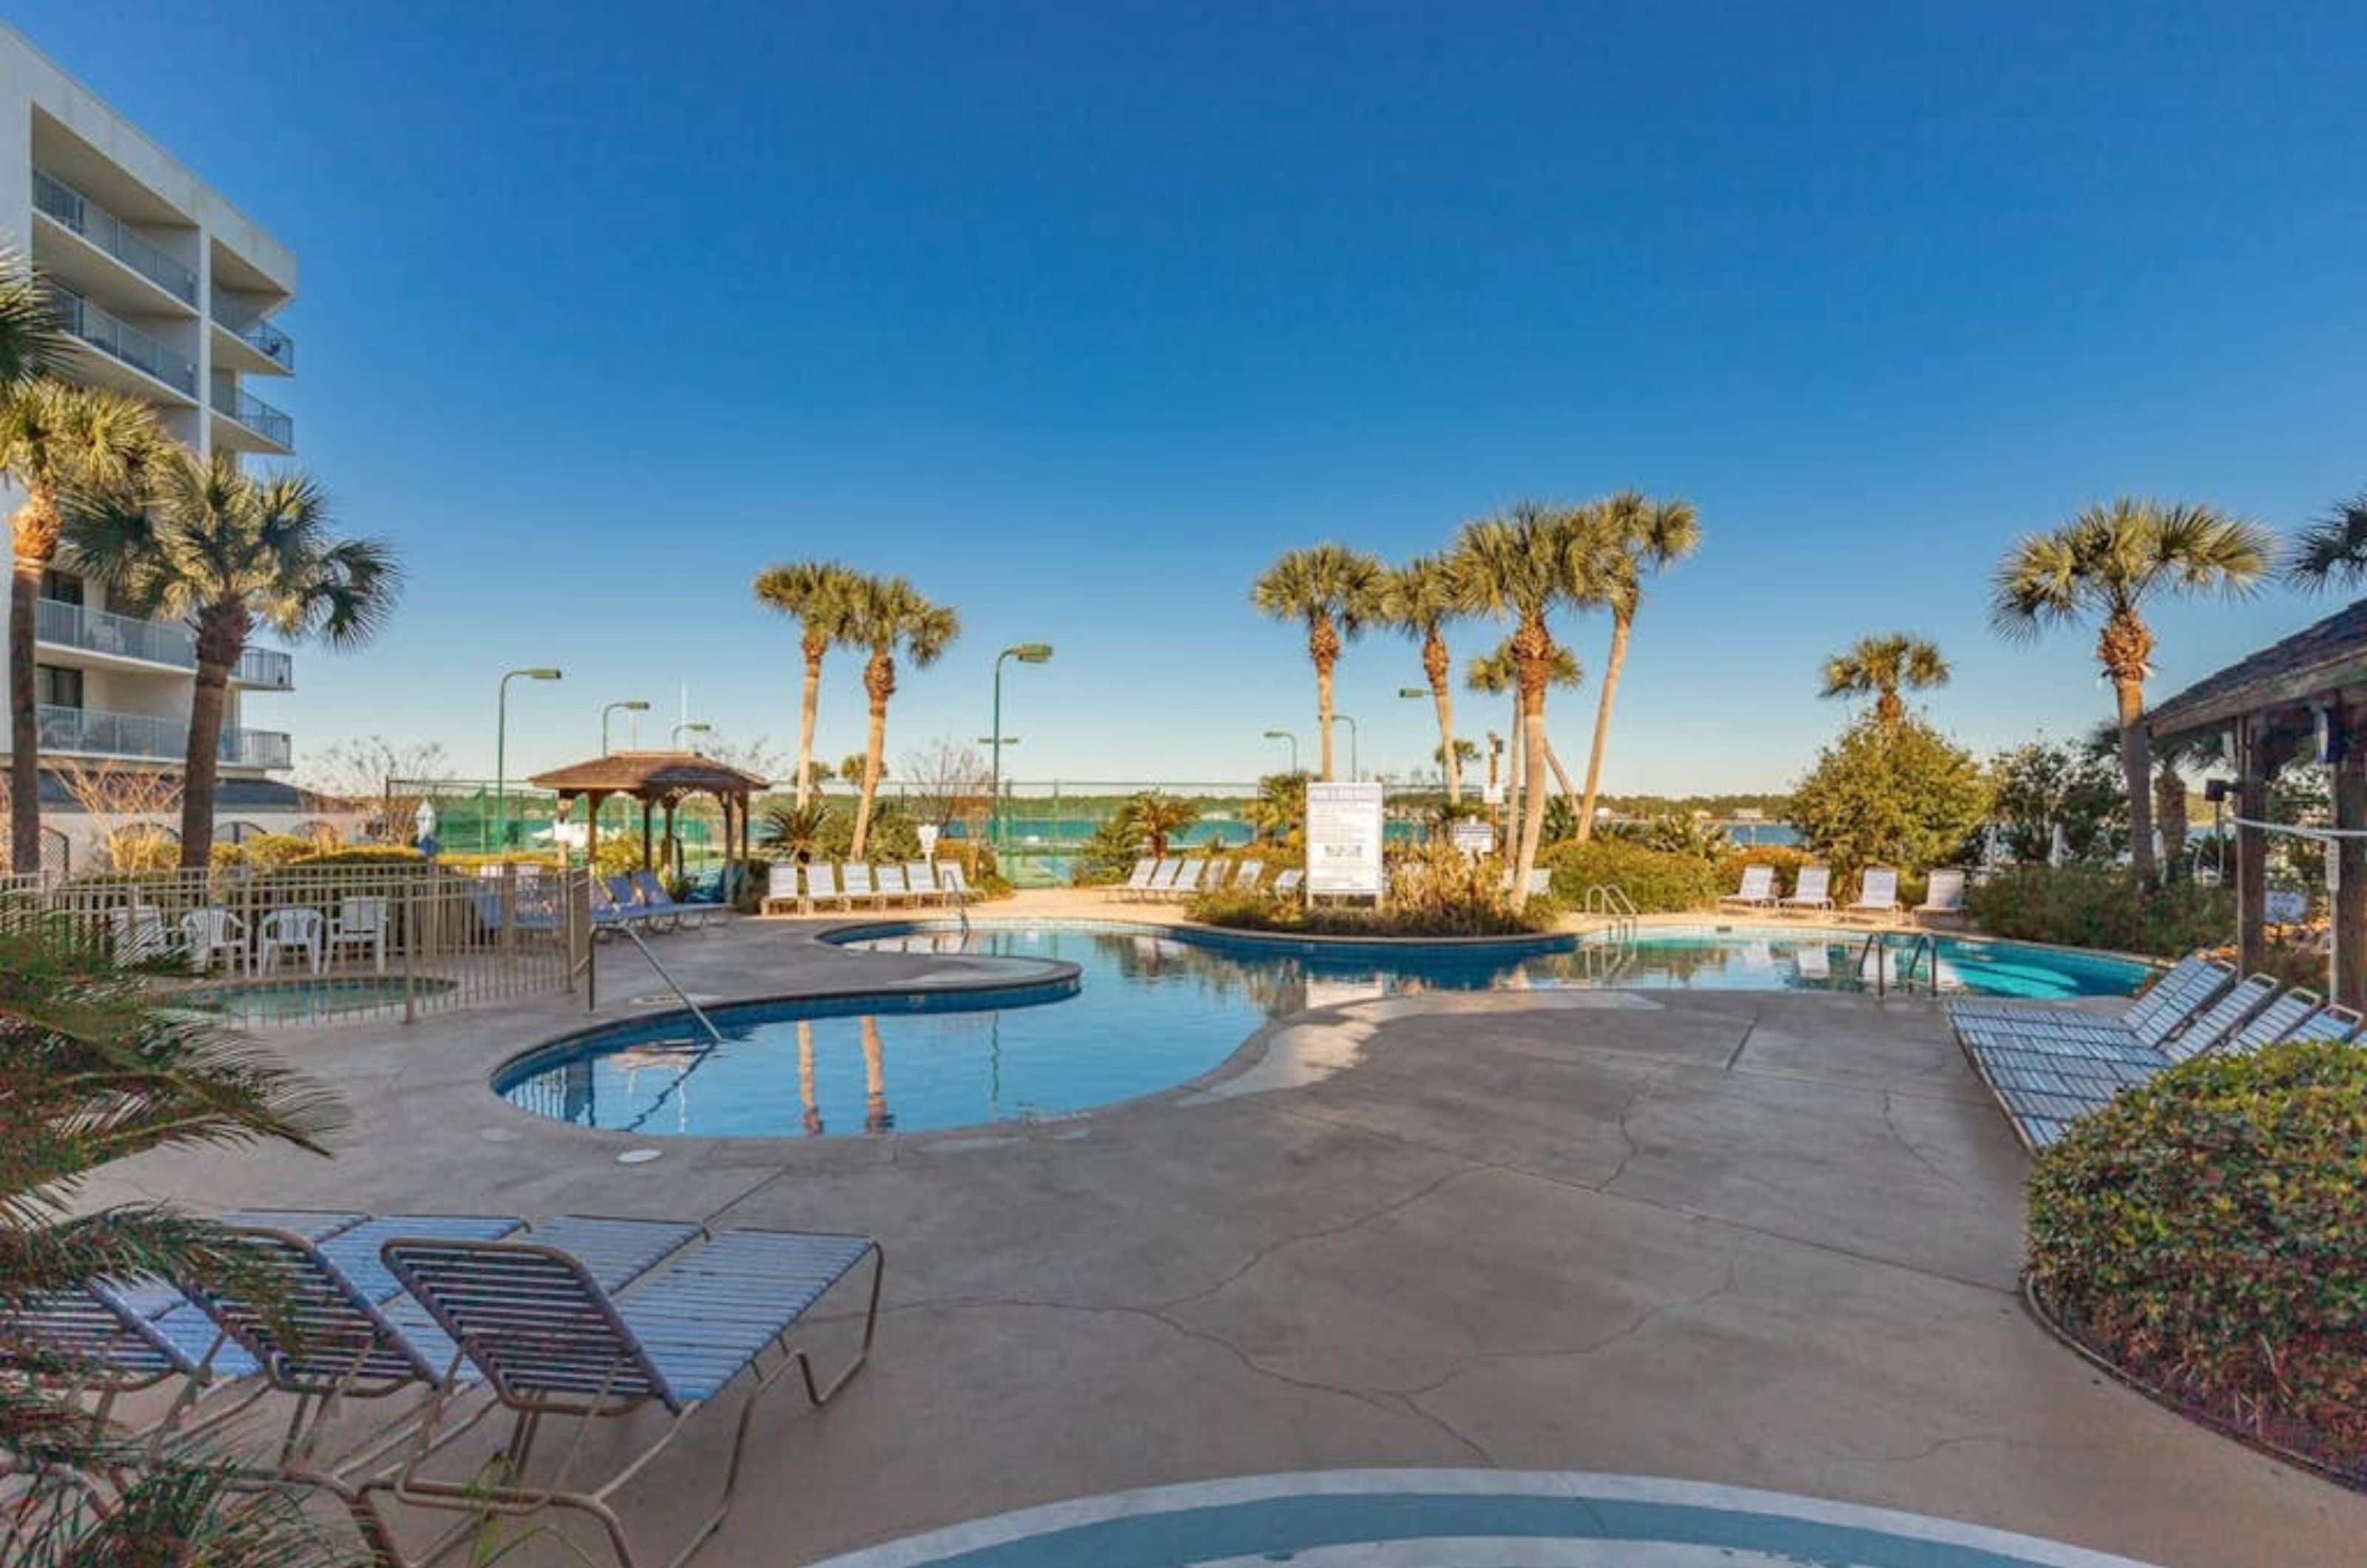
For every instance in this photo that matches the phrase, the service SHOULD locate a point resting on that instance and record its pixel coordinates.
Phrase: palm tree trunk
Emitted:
(1533, 815)
(1323, 711)
(198, 779)
(1890, 710)
(874, 754)
(809, 705)
(1513, 775)
(1437, 666)
(2136, 771)
(1553, 760)
(24, 720)
(1621, 625)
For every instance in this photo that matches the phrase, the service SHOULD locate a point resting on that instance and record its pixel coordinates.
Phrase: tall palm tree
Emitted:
(820, 596)
(1882, 666)
(2332, 551)
(889, 616)
(1634, 539)
(1496, 672)
(229, 552)
(1333, 590)
(1419, 599)
(1522, 566)
(57, 442)
(2107, 563)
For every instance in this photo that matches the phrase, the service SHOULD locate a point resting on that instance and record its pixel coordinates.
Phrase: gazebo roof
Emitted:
(2314, 662)
(649, 774)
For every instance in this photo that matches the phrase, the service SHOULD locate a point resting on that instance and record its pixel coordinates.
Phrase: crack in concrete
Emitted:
(1325, 1234)
(1744, 1044)
(1898, 1134)
(1627, 1137)
(1927, 1451)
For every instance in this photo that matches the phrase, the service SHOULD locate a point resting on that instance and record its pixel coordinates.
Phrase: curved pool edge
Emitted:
(1351, 1515)
(1219, 937)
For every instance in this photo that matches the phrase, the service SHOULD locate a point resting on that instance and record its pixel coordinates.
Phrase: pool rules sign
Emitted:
(1343, 839)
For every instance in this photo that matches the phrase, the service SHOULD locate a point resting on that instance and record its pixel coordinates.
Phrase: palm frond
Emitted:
(2331, 551)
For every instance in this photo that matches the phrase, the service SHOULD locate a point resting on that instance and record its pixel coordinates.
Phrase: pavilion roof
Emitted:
(2317, 661)
(651, 773)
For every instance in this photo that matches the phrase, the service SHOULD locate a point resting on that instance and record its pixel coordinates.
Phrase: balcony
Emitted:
(252, 414)
(122, 341)
(243, 323)
(104, 230)
(152, 642)
(91, 733)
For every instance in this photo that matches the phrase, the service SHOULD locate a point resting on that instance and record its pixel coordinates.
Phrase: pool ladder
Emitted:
(714, 1035)
(1874, 950)
(1618, 911)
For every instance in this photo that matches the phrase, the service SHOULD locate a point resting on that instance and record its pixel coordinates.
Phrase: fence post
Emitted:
(408, 905)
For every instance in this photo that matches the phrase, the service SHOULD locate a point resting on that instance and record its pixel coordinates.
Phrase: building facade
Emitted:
(165, 291)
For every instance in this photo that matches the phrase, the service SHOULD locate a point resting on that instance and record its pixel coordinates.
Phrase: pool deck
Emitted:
(1758, 1240)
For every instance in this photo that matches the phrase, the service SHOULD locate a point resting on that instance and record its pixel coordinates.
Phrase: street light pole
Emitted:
(694, 728)
(501, 748)
(1354, 772)
(1286, 735)
(1027, 653)
(630, 704)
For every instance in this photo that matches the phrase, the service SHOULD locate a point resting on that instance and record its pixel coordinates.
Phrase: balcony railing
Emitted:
(109, 233)
(158, 642)
(255, 331)
(254, 413)
(124, 341)
(94, 733)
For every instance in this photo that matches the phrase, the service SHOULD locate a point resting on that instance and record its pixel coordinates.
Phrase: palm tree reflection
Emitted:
(877, 1117)
(812, 1120)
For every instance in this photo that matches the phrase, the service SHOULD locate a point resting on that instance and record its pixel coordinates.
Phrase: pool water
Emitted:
(271, 1001)
(1150, 1011)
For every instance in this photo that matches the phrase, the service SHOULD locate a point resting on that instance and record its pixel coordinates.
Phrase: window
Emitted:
(60, 587)
(57, 687)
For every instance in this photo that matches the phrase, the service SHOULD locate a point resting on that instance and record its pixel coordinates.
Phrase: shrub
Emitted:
(2081, 906)
(1263, 912)
(2208, 1232)
(1910, 799)
(1658, 881)
(269, 850)
(364, 854)
(617, 856)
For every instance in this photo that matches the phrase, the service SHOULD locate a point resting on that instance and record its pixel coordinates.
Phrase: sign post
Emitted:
(1343, 839)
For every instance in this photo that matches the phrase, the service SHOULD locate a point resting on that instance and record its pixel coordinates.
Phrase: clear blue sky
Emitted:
(1079, 314)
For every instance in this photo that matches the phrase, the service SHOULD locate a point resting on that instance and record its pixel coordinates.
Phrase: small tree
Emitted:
(2042, 785)
(130, 809)
(945, 781)
(1157, 818)
(376, 774)
(1909, 799)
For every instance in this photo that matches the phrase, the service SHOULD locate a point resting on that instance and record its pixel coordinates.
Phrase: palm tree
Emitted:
(820, 596)
(2332, 551)
(1157, 818)
(889, 616)
(92, 1070)
(1333, 590)
(1634, 539)
(228, 552)
(57, 442)
(2107, 562)
(1882, 665)
(1522, 566)
(1419, 599)
(1496, 672)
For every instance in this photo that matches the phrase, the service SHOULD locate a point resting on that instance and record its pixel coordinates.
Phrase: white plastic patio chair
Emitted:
(361, 922)
(288, 930)
(212, 933)
(1813, 891)
(138, 933)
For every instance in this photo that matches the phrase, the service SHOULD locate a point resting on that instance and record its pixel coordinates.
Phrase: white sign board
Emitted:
(928, 832)
(1492, 794)
(1475, 837)
(1343, 839)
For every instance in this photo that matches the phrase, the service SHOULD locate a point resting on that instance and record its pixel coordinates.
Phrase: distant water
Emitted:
(1753, 835)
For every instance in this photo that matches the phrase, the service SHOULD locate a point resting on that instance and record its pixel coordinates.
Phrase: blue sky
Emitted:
(1079, 314)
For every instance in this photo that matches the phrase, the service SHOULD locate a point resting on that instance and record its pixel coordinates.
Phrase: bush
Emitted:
(2207, 1232)
(366, 854)
(271, 850)
(2081, 906)
(1264, 912)
(1910, 799)
(1658, 881)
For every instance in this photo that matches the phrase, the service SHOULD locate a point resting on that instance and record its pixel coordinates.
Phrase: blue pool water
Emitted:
(1148, 1011)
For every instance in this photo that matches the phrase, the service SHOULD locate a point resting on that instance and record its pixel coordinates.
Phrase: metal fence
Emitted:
(311, 944)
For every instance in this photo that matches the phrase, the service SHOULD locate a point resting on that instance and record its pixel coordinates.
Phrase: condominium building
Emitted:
(166, 291)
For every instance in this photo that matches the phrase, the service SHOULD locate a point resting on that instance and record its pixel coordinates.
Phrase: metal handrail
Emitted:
(1925, 941)
(55, 198)
(1610, 901)
(1873, 944)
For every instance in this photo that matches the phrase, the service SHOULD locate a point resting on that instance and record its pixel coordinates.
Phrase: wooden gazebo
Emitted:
(659, 780)
(2305, 695)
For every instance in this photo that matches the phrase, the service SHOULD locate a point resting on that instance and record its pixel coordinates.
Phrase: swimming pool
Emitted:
(278, 1001)
(1149, 1008)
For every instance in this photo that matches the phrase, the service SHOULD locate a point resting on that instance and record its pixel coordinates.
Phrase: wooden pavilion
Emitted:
(660, 781)
(2303, 698)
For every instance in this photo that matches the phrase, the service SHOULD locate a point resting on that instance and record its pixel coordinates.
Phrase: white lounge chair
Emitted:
(1813, 891)
(1137, 882)
(1287, 880)
(821, 884)
(1187, 879)
(921, 877)
(1757, 889)
(1877, 892)
(889, 880)
(953, 882)
(360, 922)
(781, 894)
(858, 885)
(1944, 895)
(1162, 879)
(1251, 872)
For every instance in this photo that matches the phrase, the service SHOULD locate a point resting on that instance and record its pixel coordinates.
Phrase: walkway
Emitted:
(1764, 1240)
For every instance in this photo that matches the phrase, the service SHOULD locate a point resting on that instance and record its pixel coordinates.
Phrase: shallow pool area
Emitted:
(1148, 1009)
(274, 1001)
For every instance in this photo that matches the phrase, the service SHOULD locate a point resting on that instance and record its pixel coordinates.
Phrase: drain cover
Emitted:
(638, 1156)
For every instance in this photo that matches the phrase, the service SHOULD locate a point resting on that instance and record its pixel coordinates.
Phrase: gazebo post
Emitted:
(2346, 860)
(592, 829)
(648, 806)
(2252, 844)
(674, 845)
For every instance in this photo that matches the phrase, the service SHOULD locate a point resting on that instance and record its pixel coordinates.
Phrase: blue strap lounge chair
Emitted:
(663, 905)
(550, 1341)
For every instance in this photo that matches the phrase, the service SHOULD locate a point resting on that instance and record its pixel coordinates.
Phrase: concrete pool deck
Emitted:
(1757, 1239)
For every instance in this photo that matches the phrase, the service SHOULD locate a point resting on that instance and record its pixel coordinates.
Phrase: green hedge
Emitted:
(1264, 912)
(364, 854)
(2208, 1233)
(1657, 880)
(2099, 907)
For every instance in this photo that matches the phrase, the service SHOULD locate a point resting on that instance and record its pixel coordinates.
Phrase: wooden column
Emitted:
(648, 806)
(2347, 859)
(2251, 845)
